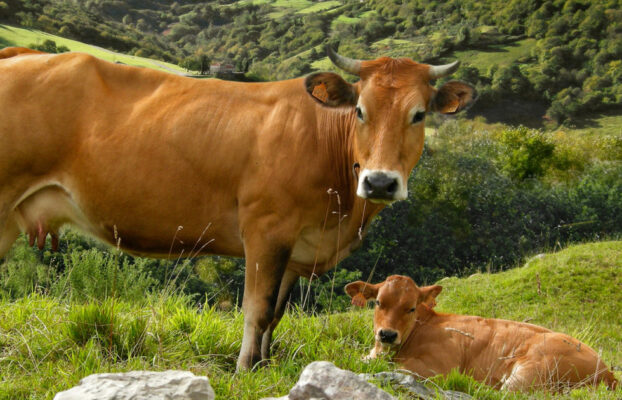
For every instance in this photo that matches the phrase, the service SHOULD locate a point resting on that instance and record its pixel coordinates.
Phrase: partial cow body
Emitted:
(506, 354)
(173, 165)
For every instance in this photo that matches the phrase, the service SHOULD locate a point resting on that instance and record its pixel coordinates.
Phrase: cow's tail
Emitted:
(9, 52)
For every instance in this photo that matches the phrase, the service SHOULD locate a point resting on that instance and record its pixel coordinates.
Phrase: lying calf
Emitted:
(506, 354)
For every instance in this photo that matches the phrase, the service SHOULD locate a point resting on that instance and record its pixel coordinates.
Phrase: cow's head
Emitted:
(389, 103)
(398, 302)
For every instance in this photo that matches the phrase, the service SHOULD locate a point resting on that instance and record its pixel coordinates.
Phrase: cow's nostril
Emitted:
(367, 185)
(392, 187)
(387, 336)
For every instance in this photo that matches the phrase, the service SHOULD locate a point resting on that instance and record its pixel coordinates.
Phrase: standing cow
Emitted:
(108, 148)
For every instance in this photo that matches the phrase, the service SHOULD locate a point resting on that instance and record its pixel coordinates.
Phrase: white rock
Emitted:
(321, 380)
(141, 385)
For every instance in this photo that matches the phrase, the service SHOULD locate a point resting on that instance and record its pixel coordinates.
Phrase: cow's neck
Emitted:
(424, 315)
(337, 128)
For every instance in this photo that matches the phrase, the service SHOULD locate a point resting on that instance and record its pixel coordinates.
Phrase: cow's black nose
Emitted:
(387, 335)
(379, 185)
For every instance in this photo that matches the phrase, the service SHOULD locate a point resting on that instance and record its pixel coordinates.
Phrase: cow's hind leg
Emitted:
(8, 234)
(287, 284)
(266, 259)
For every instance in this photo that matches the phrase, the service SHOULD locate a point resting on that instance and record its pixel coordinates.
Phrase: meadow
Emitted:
(22, 37)
(49, 342)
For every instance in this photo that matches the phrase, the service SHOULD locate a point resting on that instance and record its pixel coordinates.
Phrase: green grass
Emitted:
(22, 37)
(47, 345)
(285, 6)
(323, 64)
(595, 137)
(500, 55)
(319, 7)
(346, 20)
(605, 124)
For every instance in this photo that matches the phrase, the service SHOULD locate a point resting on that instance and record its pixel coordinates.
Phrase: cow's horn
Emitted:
(347, 64)
(439, 71)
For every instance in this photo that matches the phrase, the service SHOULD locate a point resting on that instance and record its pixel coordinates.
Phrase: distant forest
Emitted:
(573, 68)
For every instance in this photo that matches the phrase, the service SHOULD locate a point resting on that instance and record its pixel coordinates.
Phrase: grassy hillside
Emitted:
(47, 345)
(577, 291)
(14, 36)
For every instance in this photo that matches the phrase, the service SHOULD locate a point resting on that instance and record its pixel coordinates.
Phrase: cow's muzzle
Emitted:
(387, 336)
(382, 186)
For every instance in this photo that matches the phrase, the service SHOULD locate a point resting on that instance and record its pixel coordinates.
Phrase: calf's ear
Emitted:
(453, 97)
(331, 90)
(361, 292)
(429, 293)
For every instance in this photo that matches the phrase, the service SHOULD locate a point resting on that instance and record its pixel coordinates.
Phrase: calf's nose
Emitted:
(387, 335)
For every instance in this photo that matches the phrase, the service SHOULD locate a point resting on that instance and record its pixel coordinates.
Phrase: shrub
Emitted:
(49, 46)
(528, 152)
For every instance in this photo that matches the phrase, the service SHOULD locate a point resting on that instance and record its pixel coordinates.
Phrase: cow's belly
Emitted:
(46, 207)
(316, 247)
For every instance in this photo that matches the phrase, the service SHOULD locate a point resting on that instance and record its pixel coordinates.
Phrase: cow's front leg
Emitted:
(287, 284)
(266, 259)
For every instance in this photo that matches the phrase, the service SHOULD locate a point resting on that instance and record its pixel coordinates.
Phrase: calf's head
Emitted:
(397, 301)
(389, 104)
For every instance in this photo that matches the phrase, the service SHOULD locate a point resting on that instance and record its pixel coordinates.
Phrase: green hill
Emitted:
(48, 345)
(21, 37)
(577, 291)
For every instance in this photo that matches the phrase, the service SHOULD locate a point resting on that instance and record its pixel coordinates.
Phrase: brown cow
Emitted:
(506, 354)
(263, 170)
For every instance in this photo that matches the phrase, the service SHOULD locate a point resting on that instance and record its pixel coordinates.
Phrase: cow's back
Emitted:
(144, 152)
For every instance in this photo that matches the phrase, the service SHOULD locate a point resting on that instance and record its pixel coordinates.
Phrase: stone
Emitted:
(321, 380)
(141, 385)
(409, 383)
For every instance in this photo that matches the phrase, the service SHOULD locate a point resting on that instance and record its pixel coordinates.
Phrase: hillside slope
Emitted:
(577, 291)
(21, 37)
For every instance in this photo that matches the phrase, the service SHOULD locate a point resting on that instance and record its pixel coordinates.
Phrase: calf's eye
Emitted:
(412, 310)
(378, 303)
(359, 113)
(418, 117)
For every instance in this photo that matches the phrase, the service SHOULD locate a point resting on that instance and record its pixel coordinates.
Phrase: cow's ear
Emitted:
(329, 89)
(361, 292)
(429, 293)
(453, 96)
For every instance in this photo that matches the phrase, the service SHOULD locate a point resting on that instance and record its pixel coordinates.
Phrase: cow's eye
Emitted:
(418, 117)
(412, 310)
(359, 113)
(378, 303)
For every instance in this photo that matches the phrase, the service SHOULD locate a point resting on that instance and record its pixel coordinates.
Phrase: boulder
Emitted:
(141, 385)
(321, 380)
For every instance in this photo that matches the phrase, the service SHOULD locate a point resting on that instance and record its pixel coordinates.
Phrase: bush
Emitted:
(528, 152)
(49, 46)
